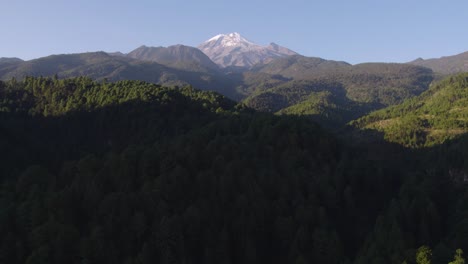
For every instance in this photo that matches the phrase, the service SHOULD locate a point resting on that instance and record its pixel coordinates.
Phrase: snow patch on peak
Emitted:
(216, 37)
(229, 40)
(235, 35)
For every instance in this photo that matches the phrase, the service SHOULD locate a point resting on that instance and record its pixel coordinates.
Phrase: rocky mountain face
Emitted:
(177, 56)
(234, 50)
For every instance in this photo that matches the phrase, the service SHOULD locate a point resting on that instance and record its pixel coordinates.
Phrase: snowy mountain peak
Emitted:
(234, 50)
(228, 40)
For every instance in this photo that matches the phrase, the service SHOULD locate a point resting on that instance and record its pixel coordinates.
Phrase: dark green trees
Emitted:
(130, 172)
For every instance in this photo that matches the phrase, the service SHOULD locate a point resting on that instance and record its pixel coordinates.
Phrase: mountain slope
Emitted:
(439, 114)
(234, 50)
(301, 67)
(177, 56)
(445, 65)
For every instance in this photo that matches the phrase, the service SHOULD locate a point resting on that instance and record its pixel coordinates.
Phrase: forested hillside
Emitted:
(321, 100)
(435, 116)
(132, 172)
(332, 93)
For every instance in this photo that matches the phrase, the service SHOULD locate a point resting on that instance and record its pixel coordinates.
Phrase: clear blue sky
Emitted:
(350, 30)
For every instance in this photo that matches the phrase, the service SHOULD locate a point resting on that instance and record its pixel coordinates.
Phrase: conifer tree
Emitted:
(458, 258)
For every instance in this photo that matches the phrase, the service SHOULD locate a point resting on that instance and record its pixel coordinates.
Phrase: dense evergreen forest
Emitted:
(131, 172)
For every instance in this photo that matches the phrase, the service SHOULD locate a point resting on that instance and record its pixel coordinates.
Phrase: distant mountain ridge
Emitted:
(382, 83)
(301, 67)
(234, 50)
(10, 60)
(445, 65)
(101, 65)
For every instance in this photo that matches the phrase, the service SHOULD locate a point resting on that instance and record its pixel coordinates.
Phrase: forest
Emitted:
(137, 173)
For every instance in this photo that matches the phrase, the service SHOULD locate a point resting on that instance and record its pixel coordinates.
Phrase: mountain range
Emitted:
(268, 78)
(101, 65)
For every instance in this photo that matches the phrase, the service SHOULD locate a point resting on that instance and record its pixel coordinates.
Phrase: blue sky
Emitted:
(353, 31)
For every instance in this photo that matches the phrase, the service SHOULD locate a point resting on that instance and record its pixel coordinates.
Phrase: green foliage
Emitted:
(423, 255)
(53, 97)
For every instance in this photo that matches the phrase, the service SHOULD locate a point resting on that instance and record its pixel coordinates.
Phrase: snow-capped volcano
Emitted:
(234, 50)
